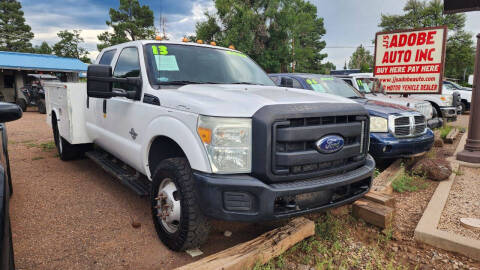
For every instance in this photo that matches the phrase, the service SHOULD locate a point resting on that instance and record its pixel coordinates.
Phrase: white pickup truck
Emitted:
(205, 133)
(442, 106)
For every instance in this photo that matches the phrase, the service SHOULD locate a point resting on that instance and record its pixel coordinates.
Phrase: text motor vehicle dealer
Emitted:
(411, 61)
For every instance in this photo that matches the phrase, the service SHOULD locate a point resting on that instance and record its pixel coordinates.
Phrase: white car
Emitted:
(205, 133)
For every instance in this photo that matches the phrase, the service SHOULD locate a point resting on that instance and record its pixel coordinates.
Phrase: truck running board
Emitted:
(124, 173)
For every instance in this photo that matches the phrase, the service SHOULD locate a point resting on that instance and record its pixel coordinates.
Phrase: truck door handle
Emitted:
(105, 106)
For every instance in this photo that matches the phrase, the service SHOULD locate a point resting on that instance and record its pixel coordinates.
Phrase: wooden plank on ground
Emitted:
(451, 136)
(380, 198)
(257, 251)
(373, 213)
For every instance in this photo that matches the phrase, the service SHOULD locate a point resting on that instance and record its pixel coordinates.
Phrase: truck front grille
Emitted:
(408, 126)
(295, 153)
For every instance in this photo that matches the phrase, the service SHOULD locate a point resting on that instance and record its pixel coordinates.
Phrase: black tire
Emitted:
(436, 111)
(463, 107)
(22, 103)
(41, 106)
(193, 227)
(66, 151)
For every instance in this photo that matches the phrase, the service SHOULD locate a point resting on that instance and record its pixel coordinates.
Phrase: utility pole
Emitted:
(163, 27)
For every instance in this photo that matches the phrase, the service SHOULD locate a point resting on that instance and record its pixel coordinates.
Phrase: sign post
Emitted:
(471, 153)
(411, 61)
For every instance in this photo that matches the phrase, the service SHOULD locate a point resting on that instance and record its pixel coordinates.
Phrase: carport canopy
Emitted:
(40, 62)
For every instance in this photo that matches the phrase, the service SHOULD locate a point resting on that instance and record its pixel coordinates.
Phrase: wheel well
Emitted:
(437, 108)
(162, 148)
(54, 117)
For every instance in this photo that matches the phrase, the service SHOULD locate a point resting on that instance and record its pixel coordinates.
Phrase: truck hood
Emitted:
(381, 108)
(230, 100)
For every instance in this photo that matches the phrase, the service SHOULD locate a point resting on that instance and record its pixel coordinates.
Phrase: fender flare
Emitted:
(180, 133)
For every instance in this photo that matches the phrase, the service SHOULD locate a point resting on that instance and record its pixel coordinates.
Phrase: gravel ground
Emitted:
(463, 201)
(72, 215)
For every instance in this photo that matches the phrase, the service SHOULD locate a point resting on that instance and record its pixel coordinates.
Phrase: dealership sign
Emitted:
(411, 61)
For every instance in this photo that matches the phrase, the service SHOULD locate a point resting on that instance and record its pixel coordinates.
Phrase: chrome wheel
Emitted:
(168, 205)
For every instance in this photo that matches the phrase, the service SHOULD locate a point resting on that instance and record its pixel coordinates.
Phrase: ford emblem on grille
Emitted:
(330, 144)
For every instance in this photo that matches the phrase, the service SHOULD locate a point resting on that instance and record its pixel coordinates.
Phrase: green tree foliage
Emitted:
(15, 34)
(361, 59)
(69, 45)
(460, 52)
(44, 48)
(422, 14)
(130, 22)
(460, 56)
(280, 35)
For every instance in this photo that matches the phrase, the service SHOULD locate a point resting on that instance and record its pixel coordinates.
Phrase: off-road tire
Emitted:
(22, 103)
(194, 227)
(463, 107)
(41, 106)
(66, 151)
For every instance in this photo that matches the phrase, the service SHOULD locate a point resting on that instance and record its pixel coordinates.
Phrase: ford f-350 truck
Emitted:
(205, 133)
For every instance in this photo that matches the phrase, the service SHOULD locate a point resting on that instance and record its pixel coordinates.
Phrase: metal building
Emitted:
(15, 66)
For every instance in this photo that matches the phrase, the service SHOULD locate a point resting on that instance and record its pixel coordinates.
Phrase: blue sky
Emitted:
(349, 23)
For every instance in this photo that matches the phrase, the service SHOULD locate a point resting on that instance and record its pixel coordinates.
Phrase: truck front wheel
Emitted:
(176, 214)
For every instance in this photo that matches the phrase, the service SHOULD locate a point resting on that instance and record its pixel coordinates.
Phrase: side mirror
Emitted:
(99, 81)
(9, 112)
(286, 82)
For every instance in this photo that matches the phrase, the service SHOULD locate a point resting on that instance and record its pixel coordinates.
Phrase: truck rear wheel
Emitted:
(176, 214)
(41, 106)
(66, 151)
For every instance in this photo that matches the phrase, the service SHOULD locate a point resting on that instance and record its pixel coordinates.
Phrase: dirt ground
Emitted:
(73, 215)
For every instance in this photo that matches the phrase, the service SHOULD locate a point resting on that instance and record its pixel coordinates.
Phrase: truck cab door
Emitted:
(120, 115)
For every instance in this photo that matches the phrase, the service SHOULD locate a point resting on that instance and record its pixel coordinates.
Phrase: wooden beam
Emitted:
(257, 251)
(451, 136)
(373, 213)
(380, 198)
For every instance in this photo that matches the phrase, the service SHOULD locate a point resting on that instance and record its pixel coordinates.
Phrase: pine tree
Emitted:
(69, 45)
(130, 22)
(15, 34)
(44, 48)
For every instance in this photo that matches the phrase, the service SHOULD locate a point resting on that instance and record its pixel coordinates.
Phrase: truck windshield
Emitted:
(175, 64)
(331, 85)
(369, 85)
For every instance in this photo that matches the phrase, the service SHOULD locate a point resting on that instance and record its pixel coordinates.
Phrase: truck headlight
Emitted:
(228, 142)
(378, 124)
(447, 100)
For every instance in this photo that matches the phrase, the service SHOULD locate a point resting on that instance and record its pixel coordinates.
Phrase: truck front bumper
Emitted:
(449, 112)
(385, 145)
(246, 198)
